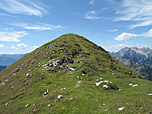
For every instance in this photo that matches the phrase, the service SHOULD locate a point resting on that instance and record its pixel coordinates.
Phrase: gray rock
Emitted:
(53, 52)
(47, 91)
(37, 52)
(71, 68)
(62, 67)
(67, 60)
(45, 66)
(17, 69)
(56, 63)
(63, 60)
(60, 96)
(28, 75)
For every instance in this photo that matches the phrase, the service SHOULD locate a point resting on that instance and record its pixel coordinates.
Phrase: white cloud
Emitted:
(91, 15)
(92, 2)
(3, 14)
(18, 7)
(12, 36)
(115, 48)
(13, 47)
(113, 30)
(1, 45)
(141, 24)
(35, 47)
(147, 34)
(138, 11)
(21, 45)
(39, 27)
(125, 36)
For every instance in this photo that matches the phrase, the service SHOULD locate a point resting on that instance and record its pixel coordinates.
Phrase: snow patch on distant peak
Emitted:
(140, 52)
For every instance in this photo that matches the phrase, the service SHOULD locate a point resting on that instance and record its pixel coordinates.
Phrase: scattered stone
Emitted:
(105, 86)
(63, 60)
(105, 110)
(79, 82)
(28, 75)
(71, 68)
(6, 104)
(106, 81)
(120, 109)
(47, 91)
(135, 85)
(75, 97)
(101, 78)
(45, 96)
(98, 83)
(26, 105)
(77, 61)
(62, 67)
(77, 85)
(61, 89)
(71, 98)
(130, 73)
(35, 110)
(53, 52)
(97, 80)
(120, 90)
(60, 96)
(17, 69)
(78, 77)
(49, 105)
(3, 83)
(150, 94)
(45, 66)
(56, 63)
(37, 52)
(83, 74)
(113, 73)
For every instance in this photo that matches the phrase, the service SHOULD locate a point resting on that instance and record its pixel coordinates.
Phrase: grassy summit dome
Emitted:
(71, 75)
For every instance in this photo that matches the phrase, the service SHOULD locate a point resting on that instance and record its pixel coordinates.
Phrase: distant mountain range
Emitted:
(139, 59)
(8, 59)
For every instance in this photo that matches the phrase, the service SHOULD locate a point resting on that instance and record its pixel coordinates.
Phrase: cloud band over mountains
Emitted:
(125, 36)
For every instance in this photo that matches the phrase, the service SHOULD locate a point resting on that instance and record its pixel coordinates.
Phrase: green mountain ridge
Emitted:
(71, 75)
(2, 67)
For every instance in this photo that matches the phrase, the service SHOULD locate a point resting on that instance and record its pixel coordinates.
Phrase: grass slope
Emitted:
(24, 83)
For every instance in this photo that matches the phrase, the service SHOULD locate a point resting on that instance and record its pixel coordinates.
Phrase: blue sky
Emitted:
(112, 24)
